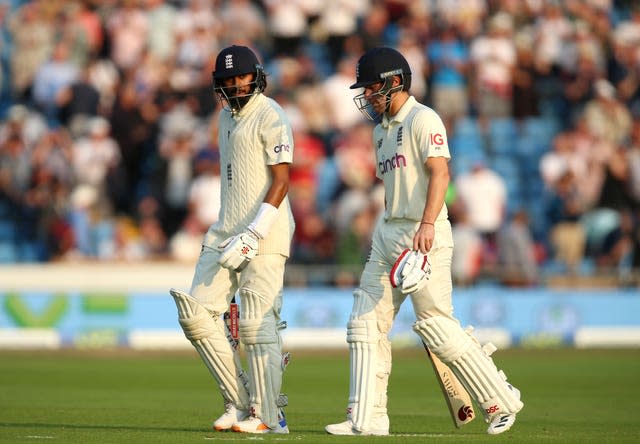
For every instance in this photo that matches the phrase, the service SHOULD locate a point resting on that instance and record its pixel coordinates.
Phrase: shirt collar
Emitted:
(401, 114)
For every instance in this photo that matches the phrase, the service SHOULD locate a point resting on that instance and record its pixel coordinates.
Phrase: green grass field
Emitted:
(571, 396)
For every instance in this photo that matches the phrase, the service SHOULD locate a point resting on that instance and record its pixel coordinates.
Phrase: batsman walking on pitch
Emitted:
(245, 251)
(411, 253)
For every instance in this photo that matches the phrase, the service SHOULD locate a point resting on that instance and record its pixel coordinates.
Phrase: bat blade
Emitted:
(456, 396)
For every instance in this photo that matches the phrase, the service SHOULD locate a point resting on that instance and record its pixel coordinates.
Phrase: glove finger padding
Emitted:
(411, 271)
(238, 250)
(396, 271)
(416, 272)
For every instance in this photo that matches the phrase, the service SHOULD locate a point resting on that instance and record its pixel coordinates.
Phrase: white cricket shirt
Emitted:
(257, 136)
(402, 145)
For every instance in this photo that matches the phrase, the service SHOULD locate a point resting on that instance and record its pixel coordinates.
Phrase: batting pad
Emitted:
(260, 335)
(470, 363)
(362, 337)
(208, 335)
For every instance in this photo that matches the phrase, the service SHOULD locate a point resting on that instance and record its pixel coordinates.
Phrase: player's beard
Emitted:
(238, 97)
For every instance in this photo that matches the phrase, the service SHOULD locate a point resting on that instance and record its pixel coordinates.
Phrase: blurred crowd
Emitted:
(108, 133)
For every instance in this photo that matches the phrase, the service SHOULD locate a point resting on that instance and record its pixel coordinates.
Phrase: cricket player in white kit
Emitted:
(411, 255)
(245, 250)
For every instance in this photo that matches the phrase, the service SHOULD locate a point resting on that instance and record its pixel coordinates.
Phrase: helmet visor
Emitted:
(373, 105)
(236, 94)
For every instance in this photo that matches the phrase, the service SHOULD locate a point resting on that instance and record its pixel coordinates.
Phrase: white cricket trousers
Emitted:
(434, 299)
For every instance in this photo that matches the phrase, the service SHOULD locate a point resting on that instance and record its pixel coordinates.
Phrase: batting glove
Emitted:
(238, 250)
(410, 272)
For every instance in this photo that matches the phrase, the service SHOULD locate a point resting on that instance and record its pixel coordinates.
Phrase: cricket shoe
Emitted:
(381, 428)
(230, 416)
(503, 422)
(253, 424)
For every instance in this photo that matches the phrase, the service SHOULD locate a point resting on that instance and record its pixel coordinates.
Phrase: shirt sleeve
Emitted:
(277, 137)
(431, 135)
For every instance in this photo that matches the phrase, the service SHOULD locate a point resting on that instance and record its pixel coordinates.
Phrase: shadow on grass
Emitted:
(99, 427)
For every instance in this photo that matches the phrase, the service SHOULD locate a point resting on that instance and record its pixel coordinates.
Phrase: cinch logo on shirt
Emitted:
(387, 165)
(280, 148)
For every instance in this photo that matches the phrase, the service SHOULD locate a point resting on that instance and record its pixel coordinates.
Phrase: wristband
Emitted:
(263, 221)
(426, 223)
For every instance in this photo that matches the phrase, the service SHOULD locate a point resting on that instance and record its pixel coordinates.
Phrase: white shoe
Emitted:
(346, 428)
(503, 422)
(253, 424)
(230, 416)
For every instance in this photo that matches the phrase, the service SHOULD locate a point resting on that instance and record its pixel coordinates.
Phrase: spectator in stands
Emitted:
(96, 164)
(615, 252)
(493, 57)
(51, 80)
(467, 247)
(204, 192)
(244, 20)
(186, 242)
(161, 39)
(606, 117)
(27, 124)
(79, 100)
(483, 193)
(448, 69)
(517, 252)
(579, 87)
(288, 22)
(196, 45)
(409, 45)
(354, 218)
(468, 16)
(567, 235)
(525, 77)
(338, 20)
(615, 192)
(562, 158)
(176, 152)
(32, 36)
(588, 156)
(374, 26)
(128, 33)
(153, 240)
(91, 24)
(553, 30)
(314, 241)
(308, 156)
(132, 127)
(338, 101)
(625, 69)
(15, 175)
(71, 31)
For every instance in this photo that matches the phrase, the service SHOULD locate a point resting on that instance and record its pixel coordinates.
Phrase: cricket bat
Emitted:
(457, 398)
(231, 319)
